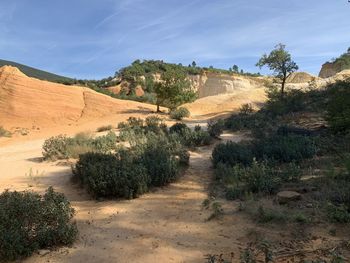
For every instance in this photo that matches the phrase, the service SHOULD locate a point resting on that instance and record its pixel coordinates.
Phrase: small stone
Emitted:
(43, 252)
(285, 197)
(309, 205)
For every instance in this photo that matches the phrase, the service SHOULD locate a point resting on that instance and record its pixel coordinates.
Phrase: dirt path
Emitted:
(168, 225)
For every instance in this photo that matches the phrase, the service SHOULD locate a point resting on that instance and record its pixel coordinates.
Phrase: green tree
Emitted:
(194, 64)
(280, 61)
(235, 68)
(173, 90)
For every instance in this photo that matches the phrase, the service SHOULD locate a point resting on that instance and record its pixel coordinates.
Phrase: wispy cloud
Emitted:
(94, 38)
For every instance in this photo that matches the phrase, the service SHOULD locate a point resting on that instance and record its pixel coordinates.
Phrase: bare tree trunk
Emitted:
(158, 109)
(283, 84)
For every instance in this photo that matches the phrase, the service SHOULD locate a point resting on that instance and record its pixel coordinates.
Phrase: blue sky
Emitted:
(94, 38)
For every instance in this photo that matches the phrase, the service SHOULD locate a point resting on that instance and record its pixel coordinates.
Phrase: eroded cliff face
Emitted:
(329, 70)
(211, 84)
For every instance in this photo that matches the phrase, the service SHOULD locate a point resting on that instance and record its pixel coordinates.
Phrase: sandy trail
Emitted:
(167, 225)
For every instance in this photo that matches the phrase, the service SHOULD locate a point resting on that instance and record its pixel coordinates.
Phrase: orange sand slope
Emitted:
(27, 101)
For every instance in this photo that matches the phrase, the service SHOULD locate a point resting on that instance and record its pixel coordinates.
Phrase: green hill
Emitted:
(35, 73)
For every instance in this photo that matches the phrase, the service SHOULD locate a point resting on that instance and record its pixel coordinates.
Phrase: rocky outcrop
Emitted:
(329, 69)
(211, 84)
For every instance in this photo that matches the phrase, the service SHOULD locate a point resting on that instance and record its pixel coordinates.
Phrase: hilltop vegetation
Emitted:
(36, 73)
(343, 61)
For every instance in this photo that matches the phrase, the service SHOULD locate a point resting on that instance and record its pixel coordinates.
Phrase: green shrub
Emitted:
(56, 148)
(4, 133)
(215, 129)
(62, 147)
(265, 215)
(159, 160)
(246, 109)
(105, 144)
(232, 153)
(338, 108)
(338, 214)
(261, 178)
(136, 127)
(29, 222)
(179, 128)
(285, 148)
(112, 175)
(153, 160)
(291, 172)
(179, 113)
(190, 138)
(292, 101)
(196, 138)
(104, 128)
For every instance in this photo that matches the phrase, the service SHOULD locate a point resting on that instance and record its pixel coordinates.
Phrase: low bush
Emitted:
(215, 129)
(4, 133)
(179, 128)
(338, 214)
(63, 147)
(153, 160)
(179, 113)
(157, 156)
(285, 148)
(189, 138)
(104, 128)
(29, 221)
(232, 153)
(246, 109)
(55, 148)
(265, 215)
(112, 175)
(135, 127)
(338, 108)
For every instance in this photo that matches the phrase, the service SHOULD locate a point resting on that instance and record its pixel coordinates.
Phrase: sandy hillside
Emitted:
(226, 103)
(33, 109)
(30, 101)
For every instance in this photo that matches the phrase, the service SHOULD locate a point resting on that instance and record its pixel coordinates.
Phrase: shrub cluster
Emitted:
(188, 137)
(338, 108)
(215, 129)
(63, 147)
(155, 160)
(29, 221)
(179, 113)
(278, 148)
(260, 166)
(136, 127)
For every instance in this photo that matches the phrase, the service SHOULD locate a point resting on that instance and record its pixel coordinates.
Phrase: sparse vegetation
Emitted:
(104, 128)
(179, 113)
(280, 152)
(4, 133)
(63, 147)
(29, 221)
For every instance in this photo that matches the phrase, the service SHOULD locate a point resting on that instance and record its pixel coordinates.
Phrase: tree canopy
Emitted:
(174, 89)
(280, 62)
